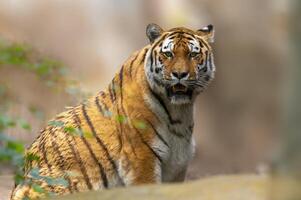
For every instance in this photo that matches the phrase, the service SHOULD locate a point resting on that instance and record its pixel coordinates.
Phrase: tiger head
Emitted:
(179, 63)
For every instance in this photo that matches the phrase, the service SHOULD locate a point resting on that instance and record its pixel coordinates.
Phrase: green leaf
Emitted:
(121, 118)
(13, 54)
(42, 69)
(4, 137)
(19, 178)
(70, 129)
(36, 112)
(139, 124)
(25, 125)
(6, 122)
(18, 159)
(37, 188)
(26, 198)
(88, 134)
(16, 146)
(56, 181)
(72, 90)
(5, 154)
(63, 71)
(108, 113)
(78, 132)
(56, 123)
(35, 173)
(32, 157)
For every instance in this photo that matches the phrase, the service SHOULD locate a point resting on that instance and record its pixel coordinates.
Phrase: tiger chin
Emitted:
(140, 127)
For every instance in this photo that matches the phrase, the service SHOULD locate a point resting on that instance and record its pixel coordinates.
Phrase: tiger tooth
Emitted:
(174, 89)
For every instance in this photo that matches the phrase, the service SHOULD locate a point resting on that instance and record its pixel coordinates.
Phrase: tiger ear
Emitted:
(207, 32)
(153, 31)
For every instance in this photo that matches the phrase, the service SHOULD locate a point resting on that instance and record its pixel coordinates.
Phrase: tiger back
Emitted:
(136, 131)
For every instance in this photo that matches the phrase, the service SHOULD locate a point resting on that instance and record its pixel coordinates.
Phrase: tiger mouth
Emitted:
(179, 90)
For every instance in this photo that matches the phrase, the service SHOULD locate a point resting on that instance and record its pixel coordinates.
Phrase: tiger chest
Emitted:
(177, 155)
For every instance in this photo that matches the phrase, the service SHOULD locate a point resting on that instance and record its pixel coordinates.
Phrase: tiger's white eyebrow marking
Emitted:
(167, 45)
(194, 46)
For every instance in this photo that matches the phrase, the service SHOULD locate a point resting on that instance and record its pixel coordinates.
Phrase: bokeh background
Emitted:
(238, 119)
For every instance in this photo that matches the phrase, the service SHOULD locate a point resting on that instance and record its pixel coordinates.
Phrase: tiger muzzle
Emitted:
(179, 90)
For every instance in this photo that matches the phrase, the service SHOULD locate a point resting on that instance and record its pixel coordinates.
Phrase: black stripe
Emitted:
(112, 91)
(160, 45)
(175, 32)
(59, 154)
(111, 95)
(181, 32)
(153, 151)
(122, 108)
(160, 100)
(44, 158)
(210, 61)
(202, 62)
(121, 91)
(113, 98)
(158, 134)
(160, 60)
(201, 44)
(99, 106)
(191, 128)
(151, 61)
(120, 82)
(143, 56)
(159, 41)
(175, 132)
(100, 142)
(178, 42)
(80, 162)
(131, 64)
(42, 147)
(178, 134)
(149, 147)
(100, 166)
(102, 94)
(119, 132)
(152, 50)
(205, 69)
(102, 107)
(189, 37)
(204, 43)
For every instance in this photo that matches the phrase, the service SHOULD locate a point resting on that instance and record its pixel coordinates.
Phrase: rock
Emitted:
(232, 187)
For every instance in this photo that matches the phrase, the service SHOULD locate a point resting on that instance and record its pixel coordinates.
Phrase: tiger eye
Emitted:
(193, 54)
(168, 54)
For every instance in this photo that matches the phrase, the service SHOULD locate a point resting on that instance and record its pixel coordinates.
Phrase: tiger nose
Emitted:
(180, 75)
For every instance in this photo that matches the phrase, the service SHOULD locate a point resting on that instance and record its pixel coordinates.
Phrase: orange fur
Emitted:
(119, 127)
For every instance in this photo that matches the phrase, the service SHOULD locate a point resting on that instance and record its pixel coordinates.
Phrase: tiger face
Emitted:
(179, 63)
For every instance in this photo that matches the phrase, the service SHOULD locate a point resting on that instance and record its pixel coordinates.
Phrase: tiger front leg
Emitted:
(140, 168)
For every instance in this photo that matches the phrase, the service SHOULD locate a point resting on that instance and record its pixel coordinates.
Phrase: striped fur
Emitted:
(138, 130)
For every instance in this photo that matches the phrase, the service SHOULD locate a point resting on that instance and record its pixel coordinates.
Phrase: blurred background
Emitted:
(239, 118)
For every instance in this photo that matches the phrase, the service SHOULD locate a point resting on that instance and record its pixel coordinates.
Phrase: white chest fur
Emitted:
(177, 149)
(177, 159)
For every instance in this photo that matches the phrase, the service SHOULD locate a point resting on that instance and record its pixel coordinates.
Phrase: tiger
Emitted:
(138, 130)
